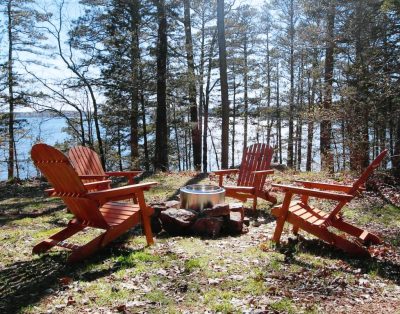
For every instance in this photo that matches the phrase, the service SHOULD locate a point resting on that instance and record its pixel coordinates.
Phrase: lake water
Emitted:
(36, 129)
(50, 131)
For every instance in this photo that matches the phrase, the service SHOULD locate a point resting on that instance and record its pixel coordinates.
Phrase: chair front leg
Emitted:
(280, 222)
(220, 179)
(145, 216)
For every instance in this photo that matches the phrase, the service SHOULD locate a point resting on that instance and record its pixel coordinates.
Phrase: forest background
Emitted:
(139, 81)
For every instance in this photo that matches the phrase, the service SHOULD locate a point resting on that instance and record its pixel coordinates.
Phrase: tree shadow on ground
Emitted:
(387, 267)
(6, 218)
(29, 189)
(26, 283)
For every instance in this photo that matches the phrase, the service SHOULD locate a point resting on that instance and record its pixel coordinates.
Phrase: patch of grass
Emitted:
(219, 300)
(192, 264)
(44, 234)
(254, 286)
(159, 297)
(110, 296)
(193, 246)
(284, 306)
(275, 263)
(135, 258)
(387, 215)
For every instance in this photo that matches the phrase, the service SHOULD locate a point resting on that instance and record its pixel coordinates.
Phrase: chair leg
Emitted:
(278, 230)
(255, 204)
(147, 227)
(296, 230)
(327, 236)
(280, 222)
(348, 246)
(86, 250)
(52, 241)
(145, 217)
(356, 232)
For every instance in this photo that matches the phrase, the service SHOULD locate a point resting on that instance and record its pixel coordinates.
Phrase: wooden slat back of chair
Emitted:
(367, 172)
(56, 167)
(255, 158)
(85, 161)
(360, 181)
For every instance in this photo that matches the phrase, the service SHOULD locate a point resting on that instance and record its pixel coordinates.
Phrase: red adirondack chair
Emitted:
(98, 209)
(88, 166)
(304, 216)
(253, 172)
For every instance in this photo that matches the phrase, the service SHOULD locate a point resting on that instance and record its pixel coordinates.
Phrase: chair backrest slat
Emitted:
(56, 167)
(367, 172)
(360, 181)
(85, 161)
(255, 158)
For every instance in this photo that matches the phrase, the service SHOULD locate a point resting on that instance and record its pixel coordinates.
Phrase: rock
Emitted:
(158, 208)
(218, 210)
(235, 223)
(173, 204)
(246, 221)
(207, 226)
(155, 224)
(177, 221)
(237, 207)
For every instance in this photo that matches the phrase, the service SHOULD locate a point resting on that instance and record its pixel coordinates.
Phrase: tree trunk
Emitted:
(206, 103)
(176, 136)
(194, 123)
(201, 88)
(299, 125)
(310, 124)
(326, 124)
(396, 151)
(10, 82)
(291, 96)
(119, 149)
(144, 126)
(245, 96)
(161, 152)
(234, 121)
(134, 88)
(224, 84)
(269, 124)
(278, 118)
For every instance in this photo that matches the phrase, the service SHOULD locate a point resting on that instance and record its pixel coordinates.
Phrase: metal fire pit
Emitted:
(199, 196)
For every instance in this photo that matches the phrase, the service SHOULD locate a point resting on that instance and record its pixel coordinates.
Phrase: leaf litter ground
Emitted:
(242, 274)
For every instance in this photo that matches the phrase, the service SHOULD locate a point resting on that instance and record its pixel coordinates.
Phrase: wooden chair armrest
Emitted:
(97, 184)
(262, 172)
(127, 174)
(91, 185)
(93, 176)
(120, 193)
(124, 173)
(242, 189)
(225, 171)
(327, 186)
(315, 193)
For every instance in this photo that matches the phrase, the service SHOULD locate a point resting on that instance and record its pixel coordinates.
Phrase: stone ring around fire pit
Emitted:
(201, 211)
(198, 197)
